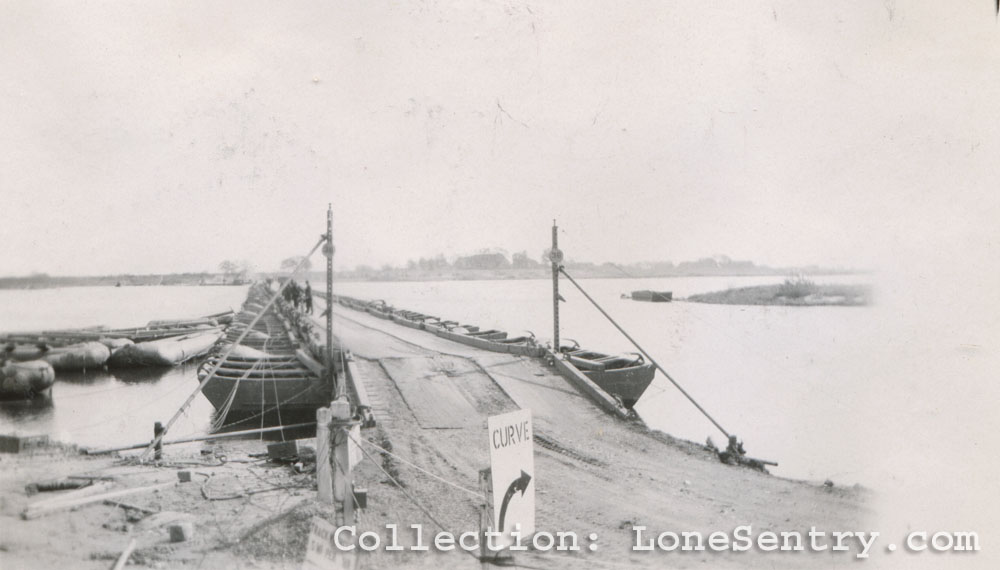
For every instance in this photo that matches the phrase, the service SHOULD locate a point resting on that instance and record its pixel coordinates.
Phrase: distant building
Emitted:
(521, 260)
(482, 261)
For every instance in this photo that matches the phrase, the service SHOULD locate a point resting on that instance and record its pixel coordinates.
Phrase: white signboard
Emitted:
(512, 463)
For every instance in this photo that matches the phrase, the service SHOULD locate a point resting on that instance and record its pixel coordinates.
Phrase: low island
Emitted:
(793, 292)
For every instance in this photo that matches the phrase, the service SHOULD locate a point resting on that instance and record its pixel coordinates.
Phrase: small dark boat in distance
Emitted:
(652, 296)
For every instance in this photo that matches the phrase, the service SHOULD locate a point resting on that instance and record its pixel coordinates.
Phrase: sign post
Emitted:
(512, 463)
(321, 551)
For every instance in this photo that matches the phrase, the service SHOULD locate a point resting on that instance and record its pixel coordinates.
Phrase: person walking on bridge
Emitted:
(308, 298)
(296, 295)
(291, 293)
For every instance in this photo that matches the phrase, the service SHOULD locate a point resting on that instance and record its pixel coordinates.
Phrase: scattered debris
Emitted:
(130, 507)
(283, 451)
(64, 502)
(291, 452)
(56, 485)
(20, 443)
(44, 506)
(165, 519)
(126, 554)
(361, 497)
(734, 454)
(181, 532)
(547, 442)
(389, 464)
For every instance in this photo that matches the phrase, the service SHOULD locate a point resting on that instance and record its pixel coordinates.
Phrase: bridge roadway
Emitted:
(595, 473)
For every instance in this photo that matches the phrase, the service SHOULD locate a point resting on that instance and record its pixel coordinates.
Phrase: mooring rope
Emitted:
(263, 377)
(429, 515)
(399, 485)
(644, 353)
(224, 412)
(422, 470)
(402, 489)
(222, 358)
(255, 416)
(277, 400)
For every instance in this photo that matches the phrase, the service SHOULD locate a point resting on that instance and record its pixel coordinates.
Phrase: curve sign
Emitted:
(512, 462)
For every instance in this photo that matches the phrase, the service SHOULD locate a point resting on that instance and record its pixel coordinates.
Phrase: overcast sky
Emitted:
(161, 137)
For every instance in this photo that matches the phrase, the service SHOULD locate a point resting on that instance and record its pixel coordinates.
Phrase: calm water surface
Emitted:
(789, 381)
(115, 407)
(786, 380)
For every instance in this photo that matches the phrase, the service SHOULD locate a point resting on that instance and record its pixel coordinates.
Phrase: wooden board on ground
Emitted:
(431, 395)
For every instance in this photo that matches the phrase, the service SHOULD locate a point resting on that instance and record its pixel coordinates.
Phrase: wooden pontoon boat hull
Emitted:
(269, 372)
(624, 377)
(626, 383)
(253, 395)
(524, 346)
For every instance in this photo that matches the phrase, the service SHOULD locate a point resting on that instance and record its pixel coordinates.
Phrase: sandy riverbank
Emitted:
(249, 513)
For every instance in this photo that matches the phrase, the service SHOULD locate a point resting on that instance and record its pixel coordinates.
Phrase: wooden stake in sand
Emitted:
(52, 506)
(200, 438)
(123, 559)
(83, 492)
(324, 469)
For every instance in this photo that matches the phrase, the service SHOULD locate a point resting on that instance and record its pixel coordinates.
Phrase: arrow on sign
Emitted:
(519, 484)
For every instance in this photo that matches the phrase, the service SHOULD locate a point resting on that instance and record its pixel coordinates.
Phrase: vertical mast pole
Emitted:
(555, 256)
(328, 251)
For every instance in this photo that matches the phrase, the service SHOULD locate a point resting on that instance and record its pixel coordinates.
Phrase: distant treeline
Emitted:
(43, 281)
(478, 266)
(498, 265)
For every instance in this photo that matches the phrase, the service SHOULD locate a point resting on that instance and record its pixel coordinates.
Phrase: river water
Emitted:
(116, 407)
(795, 383)
(786, 380)
(899, 396)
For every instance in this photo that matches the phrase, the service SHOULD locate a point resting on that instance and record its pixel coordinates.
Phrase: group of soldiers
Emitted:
(300, 297)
